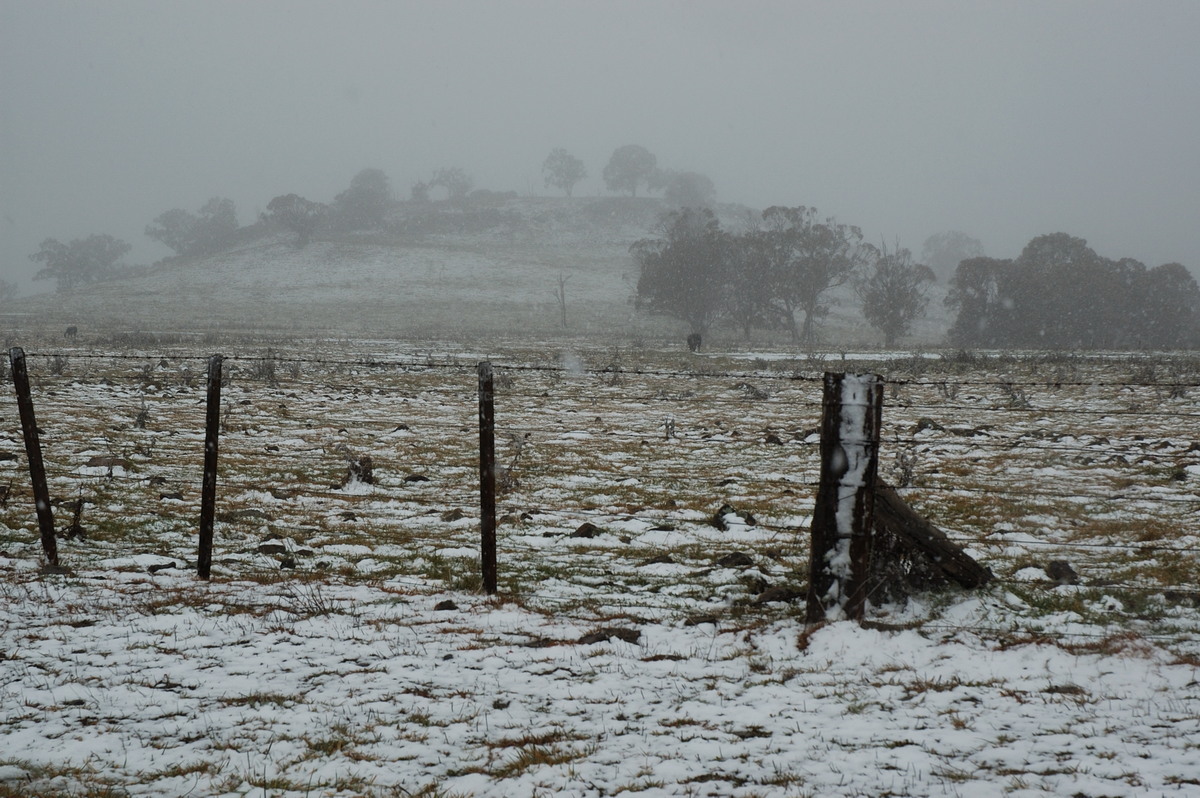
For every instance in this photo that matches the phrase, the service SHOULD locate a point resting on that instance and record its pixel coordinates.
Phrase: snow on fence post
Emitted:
(487, 478)
(208, 490)
(842, 521)
(33, 450)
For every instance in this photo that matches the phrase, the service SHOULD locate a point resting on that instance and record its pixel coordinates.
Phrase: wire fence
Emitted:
(626, 484)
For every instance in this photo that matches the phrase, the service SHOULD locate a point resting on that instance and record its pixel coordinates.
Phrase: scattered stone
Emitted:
(737, 559)
(587, 530)
(54, 570)
(175, 496)
(234, 516)
(107, 461)
(161, 566)
(348, 515)
(156, 481)
(287, 563)
(445, 605)
(662, 559)
(607, 633)
(718, 519)
(700, 620)
(778, 593)
(282, 495)
(773, 439)
(924, 423)
(1061, 572)
(7, 456)
(416, 478)
(454, 514)
(272, 546)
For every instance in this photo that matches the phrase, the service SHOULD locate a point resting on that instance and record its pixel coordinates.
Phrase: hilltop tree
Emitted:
(562, 170)
(83, 261)
(894, 294)
(629, 167)
(456, 182)
(297, 214)
(191, 234)
(686, 272)
(364, 205)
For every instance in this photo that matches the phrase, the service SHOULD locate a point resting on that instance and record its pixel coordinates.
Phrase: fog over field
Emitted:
(1004, 120)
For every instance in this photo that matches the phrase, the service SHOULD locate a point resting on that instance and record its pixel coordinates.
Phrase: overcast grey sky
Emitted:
(1004, 120)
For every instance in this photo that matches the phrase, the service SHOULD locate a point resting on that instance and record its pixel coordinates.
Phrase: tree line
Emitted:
(778, 274)
(1058, 293)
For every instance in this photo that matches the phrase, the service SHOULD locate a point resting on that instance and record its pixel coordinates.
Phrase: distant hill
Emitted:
(486, 267)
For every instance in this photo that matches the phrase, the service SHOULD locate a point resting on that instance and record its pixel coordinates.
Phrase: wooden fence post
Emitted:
(487, 478)
(843, 520)
(208, 490)
(33, 450)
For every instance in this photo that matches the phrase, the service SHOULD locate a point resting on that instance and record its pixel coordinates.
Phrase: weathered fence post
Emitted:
(842, 521)
(33, 450)
(487, 477)
(208, 490)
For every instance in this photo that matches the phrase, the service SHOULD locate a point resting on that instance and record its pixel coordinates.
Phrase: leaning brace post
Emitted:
(208, 491)
(843, 520)
(487, 478)
(33, 450)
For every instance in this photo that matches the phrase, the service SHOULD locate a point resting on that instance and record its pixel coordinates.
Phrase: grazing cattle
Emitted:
(693, 342)
(72, 332)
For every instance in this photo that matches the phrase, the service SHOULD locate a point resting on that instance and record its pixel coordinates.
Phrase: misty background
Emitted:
(1003, 120)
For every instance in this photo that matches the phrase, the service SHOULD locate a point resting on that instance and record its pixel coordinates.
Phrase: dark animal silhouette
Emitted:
(693, 342)
(72, 332)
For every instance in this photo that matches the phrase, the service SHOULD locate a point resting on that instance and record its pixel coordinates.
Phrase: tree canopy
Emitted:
(894, 294)
(806, 259)
(83, 261)
(1060, 294)
(297, 214)
(562, 170)
(196, 234)
(364, 205)
(629, 167)
(686, 272)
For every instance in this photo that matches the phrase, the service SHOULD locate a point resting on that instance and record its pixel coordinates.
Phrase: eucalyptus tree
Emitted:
(806, 259)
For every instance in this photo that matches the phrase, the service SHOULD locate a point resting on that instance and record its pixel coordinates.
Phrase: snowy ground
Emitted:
(638, 657)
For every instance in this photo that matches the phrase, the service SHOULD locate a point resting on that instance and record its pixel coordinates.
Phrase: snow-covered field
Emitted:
(344, 648)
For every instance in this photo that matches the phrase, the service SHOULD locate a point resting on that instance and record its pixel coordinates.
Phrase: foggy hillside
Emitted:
(439, 269)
